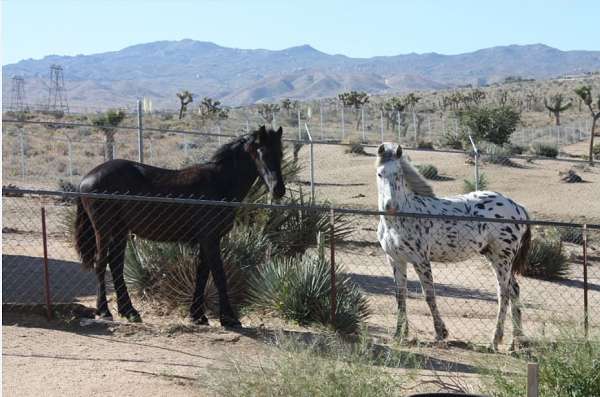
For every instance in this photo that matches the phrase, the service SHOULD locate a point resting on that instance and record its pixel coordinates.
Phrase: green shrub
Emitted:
(544, 150)
(166, 272)
(497, 154)
(356, 148)
(567, 368)
(425, 145)
(516, 149)
(596, 151)
(453, 141)
(429, 171)
(469, 184)
(323, 366)
(571, 235)
(546, 259)
(494, 125)
(299, 289)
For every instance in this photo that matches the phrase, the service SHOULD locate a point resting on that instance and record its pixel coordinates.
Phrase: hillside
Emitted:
(238, 76)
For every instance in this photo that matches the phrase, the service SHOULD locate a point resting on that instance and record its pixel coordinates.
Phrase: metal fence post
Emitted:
(46, 273)
(343, 124)
(532, 380)
(70, 152)
(22, 151)
(299, 125)
(381, 124)
(312, 165)
(585, 283)
(362, 113)
(140, 132)
(332, 269)
(321, 118)
(476, 163)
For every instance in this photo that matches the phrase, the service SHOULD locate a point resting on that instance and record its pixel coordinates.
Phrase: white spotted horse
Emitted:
(420, 241)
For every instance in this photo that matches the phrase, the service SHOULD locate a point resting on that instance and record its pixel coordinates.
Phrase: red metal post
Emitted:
(585, 284)
(46, 273)
(333, 281)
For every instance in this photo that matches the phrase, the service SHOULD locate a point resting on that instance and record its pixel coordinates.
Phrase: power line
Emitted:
(57, 94)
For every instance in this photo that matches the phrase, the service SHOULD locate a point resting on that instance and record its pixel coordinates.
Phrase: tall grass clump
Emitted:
(299, 289)
(469, 184)
(568, 368)
(544, 150)
(429, 171)
(546, 259)
(323, 366)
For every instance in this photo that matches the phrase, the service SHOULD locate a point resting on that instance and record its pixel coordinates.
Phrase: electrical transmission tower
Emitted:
(57, 94)
(17, 95)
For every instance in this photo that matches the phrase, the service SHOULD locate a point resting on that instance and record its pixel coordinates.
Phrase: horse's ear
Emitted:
(381, 150)
(279, 133)
(262, 134)
(399, 151)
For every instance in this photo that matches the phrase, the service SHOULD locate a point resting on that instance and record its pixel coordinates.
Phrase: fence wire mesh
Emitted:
(161, 277)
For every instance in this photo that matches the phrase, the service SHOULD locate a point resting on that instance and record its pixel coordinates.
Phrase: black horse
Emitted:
(103, 225)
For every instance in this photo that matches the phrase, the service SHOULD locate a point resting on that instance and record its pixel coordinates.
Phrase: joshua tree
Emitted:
(585, 93)
(391, 109)
(288, 105)
(267, 111)
(185, 97)
(411, 100)
(556, 106)
(107, 123)
(356, 100)
(210, 109)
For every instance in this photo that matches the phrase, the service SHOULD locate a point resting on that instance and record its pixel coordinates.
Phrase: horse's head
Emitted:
(266, 150)
(389, 176)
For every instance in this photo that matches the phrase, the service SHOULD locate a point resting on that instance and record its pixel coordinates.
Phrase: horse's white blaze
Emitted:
(422, 240)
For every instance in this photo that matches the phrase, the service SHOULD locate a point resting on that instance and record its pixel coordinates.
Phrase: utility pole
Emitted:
(57, 94)
(17, 95)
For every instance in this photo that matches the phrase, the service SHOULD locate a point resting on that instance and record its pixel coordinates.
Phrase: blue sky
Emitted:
(35, 28)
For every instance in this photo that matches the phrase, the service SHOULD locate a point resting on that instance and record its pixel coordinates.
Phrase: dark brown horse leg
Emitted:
(116, 259)
(197, 307)
(101, 259)
(212, 251)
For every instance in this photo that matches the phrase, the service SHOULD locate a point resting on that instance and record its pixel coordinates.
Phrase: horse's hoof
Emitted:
(230, 322)
(134, 318)
(202, 320)
(105, 316)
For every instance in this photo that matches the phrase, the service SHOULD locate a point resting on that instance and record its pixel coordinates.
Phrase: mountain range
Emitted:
(158, 70)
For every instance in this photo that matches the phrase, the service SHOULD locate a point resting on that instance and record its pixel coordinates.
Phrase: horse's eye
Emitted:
(380, 175)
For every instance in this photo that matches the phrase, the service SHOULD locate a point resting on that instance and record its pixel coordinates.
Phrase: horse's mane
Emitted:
(225, 152)
(415, 181)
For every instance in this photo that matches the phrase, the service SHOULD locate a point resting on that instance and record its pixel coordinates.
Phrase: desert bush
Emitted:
(469, 184)
(425, 145)
(299, 289)
(546, 259)
(516, 149)
(566, 368)
(494, 125)
(166, 272)
(429, 171)
(596, 151)
(356, 148)
(571, 235)
(544, 150)
(453, 141)
(325, 366)
(497, 154)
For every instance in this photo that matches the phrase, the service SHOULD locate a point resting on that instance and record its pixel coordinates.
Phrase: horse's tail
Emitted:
(85, 238)
(519, 265)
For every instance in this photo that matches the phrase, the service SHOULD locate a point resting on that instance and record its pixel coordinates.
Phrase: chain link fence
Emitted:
(560, 294)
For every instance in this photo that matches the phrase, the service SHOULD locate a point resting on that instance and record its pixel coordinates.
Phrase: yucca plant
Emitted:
(429, 171)
(299, 289)
(469, 184)
(546, 259)
(166, 272)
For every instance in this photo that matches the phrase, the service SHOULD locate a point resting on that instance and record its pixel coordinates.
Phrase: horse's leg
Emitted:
(515, 306)
(101, 260)
(399, 269)
(426, 277)
(502, 268)
(212, 251)
(197, 307)
(116, 260)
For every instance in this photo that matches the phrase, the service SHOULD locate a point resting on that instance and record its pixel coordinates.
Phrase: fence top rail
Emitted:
(316, 142)
(235, 204)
